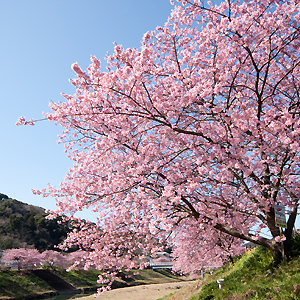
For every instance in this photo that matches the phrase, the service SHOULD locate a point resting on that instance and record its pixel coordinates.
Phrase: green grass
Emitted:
(79, 279)
(89, 278)
(20, 283)
(250, 277)
(149, 276)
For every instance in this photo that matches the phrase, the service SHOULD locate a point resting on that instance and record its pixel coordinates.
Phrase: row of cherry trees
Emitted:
(32, 258)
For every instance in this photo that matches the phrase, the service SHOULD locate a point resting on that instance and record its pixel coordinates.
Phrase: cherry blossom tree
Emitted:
(25, 258)
(203, 252)
(77, 260)
(12, 255)
(54, 259)
(193, 138)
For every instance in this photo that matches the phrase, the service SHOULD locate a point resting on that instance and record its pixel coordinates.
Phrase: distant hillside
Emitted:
(22, 224)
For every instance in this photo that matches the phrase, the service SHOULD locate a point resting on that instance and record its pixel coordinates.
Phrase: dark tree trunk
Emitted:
(289, 233)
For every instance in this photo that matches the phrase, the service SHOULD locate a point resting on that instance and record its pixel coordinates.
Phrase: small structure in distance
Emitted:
(162, 260)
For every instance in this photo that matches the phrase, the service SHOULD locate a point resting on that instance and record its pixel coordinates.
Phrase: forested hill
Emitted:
(22, 224)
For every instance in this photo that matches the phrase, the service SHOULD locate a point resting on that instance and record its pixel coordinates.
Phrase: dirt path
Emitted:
(141, 292)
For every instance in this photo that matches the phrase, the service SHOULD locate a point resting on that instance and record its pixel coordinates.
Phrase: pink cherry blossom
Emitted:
(54, 259)
(280, 238)
(22, 121)
(25, 258)
(187, 142)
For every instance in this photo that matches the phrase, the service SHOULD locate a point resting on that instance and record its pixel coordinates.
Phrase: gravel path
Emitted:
(141, 292)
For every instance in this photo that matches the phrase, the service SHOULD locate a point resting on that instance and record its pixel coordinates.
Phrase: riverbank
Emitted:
(145, 292)
(17, 285)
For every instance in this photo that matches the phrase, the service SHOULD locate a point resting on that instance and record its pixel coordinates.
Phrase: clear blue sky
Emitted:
(39, 41)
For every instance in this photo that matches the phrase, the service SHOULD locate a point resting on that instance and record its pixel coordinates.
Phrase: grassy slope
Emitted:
(21, 283)
(82, 279)
(249, 278)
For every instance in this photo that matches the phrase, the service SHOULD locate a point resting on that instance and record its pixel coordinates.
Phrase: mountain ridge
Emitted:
(25, 225)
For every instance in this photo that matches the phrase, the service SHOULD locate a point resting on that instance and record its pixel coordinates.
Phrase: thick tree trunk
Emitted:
(270, 244)
(280, 251)
(278, 256)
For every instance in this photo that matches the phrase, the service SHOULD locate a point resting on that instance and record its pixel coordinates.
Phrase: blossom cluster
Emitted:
(280, 238)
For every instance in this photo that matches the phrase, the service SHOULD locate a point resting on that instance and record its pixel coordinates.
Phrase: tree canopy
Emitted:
(193, 138)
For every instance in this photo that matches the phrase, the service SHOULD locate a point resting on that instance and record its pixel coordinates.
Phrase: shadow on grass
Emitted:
(168, 273)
